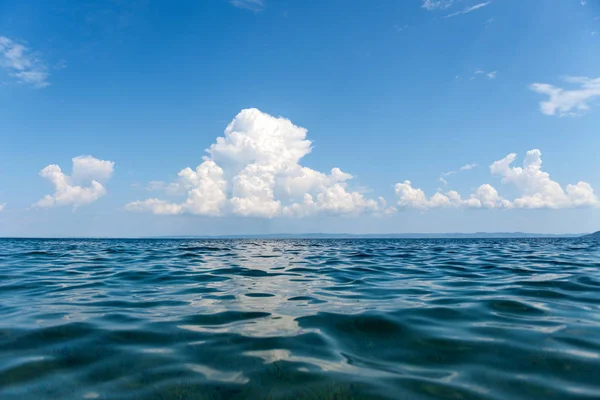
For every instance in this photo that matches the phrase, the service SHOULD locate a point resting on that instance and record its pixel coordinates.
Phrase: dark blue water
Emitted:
(300, 319)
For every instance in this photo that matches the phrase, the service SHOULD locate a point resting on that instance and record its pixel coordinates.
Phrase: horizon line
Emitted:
(321, 235)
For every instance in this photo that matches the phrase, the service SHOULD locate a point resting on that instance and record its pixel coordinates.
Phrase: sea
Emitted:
(300, 319)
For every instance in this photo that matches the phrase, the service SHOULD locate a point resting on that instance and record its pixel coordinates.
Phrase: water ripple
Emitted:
(300, 319)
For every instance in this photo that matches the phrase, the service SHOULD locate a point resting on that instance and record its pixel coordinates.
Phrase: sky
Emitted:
(219, 117)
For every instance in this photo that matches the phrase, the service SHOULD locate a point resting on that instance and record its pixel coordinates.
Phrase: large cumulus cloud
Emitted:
(254, 170)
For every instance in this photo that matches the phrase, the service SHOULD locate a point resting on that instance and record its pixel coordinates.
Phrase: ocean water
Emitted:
(300, 319)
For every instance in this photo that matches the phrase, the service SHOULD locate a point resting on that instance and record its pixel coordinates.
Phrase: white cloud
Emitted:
(568, 102)
(84, 186)
(254, 170)
(484, 74)
(536, 190)
(484, 197)
(410, 197)
(436, 4)
(22, 64)
(466, 167)
(468, 9)
(157, 206)
(252, 5)
(2, 206)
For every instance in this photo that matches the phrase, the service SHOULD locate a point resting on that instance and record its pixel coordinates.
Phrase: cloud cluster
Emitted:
(484, 197)
(254, 170)
(537, 190)
(83, 186)
(565, 102)
(22, 64)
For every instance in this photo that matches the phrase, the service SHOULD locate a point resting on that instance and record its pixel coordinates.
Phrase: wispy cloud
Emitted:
(480, 72)
(465, 167)
(252, 5)
(400, 28)
(2, 205)
(468, 9)
(568, 103)
(21, 64)
(436, 4)
(489, 75)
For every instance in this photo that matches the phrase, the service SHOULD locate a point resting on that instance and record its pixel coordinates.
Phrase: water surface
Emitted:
(300, 319)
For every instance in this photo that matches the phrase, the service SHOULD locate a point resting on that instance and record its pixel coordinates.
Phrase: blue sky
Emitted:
(123, 95)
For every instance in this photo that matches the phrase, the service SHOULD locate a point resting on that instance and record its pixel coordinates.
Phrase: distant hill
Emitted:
(476, 235)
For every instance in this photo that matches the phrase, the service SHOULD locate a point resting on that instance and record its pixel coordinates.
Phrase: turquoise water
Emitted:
(300, 319)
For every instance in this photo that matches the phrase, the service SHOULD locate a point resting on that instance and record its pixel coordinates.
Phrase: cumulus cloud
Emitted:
(484, 197)
(252, 5)
(565, 102)
(254, 170)
(537, 190)
(436, 4)
(468, 9)
(83, 186)
(22, 64)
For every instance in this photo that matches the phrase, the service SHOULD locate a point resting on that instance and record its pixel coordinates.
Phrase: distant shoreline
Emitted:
(475, 235)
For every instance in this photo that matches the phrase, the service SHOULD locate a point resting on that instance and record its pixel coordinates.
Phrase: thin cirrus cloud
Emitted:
(468, 9)
(537, 190)
(489, 75)
(254, 170)
(466, 167)
(436, 4)
(568, 102)
(85, 184)
(22, 64)
(252, 5)
(480, 73)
